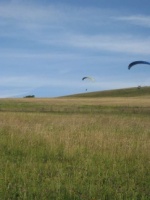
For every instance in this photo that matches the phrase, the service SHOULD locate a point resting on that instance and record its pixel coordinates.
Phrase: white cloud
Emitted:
(30, 13)
(15, 92)
(48, 56)
(136, 19)
(53, 11)
(69, 19)
(35, 81)
(120, 44)
(79, 44)
(34, 16)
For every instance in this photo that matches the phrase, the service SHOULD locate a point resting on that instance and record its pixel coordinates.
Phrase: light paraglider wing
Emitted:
(88, 77)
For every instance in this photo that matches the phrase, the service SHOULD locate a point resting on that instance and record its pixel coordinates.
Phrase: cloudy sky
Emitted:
(47, 46)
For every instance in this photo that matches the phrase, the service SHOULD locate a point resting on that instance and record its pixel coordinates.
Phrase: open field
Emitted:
(75, 148)
(126, 92)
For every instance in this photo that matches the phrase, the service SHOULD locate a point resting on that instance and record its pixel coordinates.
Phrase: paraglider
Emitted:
(88, 77)
(138, 62)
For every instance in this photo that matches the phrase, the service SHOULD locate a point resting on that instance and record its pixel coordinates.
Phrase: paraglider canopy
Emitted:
(88, 77)
(138, 62)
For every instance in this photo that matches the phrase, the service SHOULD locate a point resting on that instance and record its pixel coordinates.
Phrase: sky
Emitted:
(48, 46)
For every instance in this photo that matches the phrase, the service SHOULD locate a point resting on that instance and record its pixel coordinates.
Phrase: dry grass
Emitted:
(67, 153)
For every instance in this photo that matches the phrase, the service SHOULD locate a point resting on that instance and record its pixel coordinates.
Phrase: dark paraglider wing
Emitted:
(138, 62)
(84, 78)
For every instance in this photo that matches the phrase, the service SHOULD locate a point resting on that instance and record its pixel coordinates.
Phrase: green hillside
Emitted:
(126, 92)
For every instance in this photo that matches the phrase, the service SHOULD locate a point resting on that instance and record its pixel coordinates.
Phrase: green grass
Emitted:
(75, 149)
(126, 92)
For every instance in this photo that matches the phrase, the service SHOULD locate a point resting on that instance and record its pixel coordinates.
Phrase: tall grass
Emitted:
(48, 151)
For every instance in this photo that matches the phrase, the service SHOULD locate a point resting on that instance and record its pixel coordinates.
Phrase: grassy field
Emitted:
(126, 92)
(75, 148)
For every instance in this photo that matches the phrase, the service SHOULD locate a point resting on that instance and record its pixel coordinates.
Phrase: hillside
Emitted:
(126, 92)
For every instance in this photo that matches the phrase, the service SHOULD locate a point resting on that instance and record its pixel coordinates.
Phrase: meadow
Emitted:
(75, 148)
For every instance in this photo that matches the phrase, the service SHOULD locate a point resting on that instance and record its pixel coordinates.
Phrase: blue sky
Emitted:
(46, 46)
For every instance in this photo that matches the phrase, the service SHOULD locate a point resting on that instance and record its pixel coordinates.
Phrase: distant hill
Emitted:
(125, 92)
